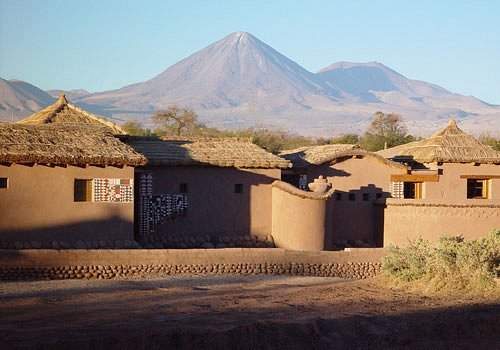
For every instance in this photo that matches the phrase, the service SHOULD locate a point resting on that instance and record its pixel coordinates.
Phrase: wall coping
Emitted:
(288, 188)
(395, 202)
(92, 257)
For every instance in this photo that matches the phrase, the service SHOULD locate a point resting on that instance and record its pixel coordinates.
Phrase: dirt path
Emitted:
(250, 312)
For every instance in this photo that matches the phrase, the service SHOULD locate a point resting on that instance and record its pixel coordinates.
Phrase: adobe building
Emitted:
(203, 192)
(452, 188)
(65, 181)
(359, 180)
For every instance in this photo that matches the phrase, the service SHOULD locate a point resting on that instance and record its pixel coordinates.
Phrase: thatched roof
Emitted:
(450, 145)
(63, 112)
(318, 155)
(61, 144)
(315, 155)
(220, 152)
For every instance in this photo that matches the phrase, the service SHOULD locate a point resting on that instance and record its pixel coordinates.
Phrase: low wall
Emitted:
(298, 218)
(67, 264)
(408, 220)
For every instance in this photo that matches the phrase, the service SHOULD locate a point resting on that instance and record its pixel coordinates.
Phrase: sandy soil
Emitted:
(245, 312)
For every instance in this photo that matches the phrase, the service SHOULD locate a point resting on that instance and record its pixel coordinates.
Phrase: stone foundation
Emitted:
(348, 271)
(126, 263)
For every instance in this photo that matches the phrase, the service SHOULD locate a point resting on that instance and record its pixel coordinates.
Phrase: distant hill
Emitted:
(239, 81)
(19, 99)
(238, 71)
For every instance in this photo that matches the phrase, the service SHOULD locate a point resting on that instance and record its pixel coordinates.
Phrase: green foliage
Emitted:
(276, 141)
(453, 264)
(385, 130)
(410, 263)
(490, 141)
(176, 121)
(351, 139)
(136, 129)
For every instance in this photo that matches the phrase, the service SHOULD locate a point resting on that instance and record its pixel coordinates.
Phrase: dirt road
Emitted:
(228, 312)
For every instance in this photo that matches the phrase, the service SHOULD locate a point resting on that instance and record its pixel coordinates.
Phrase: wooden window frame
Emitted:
(417, 189)
(82, 190)
(485, 187)
(415, 177)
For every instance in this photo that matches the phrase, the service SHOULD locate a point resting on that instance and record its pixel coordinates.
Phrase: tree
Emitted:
(136, 129)
(346, 139)
(385, 130)
(489, 140)
(176, 120)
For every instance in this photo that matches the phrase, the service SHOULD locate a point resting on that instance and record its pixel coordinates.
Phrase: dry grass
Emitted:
(453, 265)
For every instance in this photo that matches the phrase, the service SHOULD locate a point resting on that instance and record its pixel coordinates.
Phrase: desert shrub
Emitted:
(410, 263)
(452, 264)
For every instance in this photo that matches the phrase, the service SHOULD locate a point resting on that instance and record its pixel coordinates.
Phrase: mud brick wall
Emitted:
(109, 264)
(405, 220)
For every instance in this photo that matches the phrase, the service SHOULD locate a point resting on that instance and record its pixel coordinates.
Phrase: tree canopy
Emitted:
(385, 131)
(176, 121)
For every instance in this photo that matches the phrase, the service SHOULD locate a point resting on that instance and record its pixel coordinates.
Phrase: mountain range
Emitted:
(239, 81)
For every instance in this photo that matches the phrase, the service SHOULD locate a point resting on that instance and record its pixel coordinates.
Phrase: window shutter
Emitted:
(397, 190)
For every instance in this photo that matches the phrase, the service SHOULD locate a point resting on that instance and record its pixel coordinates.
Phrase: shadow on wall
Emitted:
(109, 232)
(355, 218)
(222, 203)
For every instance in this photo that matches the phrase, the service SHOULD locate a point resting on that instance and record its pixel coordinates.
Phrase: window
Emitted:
(338, 196)
(4, 182)
(183, 188)
(238, 188)
(83, 190)
(477, 188)
(366, 197)
(412, 190)
(352, 197)
(303, 182)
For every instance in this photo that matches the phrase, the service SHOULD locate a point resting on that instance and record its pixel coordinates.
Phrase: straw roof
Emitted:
(318, 155)
(220, 152)
(61, 144)
(63, 112)
(450, 145)
(315, 155)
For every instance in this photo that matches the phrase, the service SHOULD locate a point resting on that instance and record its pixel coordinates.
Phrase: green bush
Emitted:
(452, 264)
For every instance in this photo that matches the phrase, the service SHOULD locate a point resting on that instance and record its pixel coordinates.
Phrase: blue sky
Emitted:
(100, 45)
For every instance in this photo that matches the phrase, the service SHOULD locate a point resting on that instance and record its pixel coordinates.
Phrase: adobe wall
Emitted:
(39, 206)
(453, 189)
(409, 219)
(298, 221)
(66, 264)
(214, 209)
(355, 221)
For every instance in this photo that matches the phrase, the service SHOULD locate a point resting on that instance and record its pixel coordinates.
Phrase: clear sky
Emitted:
(101, 45)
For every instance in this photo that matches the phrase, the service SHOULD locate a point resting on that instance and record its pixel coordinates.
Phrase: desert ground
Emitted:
(240, 312)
